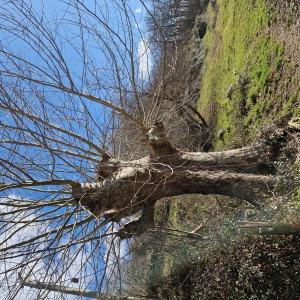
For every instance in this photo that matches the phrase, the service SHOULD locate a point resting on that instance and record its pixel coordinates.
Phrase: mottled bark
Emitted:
(131, 186)
(137, 185)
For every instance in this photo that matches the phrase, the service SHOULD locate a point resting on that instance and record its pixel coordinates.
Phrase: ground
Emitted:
(250, 78)
(251, 73)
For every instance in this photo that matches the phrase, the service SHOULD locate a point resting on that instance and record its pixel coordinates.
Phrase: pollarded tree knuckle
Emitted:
(77, 192)
(107, 169)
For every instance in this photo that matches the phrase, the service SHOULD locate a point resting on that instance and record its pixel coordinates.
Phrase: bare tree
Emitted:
(67, 82)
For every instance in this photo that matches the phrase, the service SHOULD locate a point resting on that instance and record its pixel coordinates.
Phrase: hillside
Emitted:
(248, 78)
(251, 73)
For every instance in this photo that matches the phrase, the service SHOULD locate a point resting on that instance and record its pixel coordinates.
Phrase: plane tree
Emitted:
(68, 81)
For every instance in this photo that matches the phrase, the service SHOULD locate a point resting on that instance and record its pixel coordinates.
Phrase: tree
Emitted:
(68, 83)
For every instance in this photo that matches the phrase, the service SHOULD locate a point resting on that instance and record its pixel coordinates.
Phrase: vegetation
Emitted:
(249, 78)
(113, 184)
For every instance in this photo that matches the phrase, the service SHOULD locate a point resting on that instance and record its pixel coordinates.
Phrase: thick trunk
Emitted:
(131, 186)
(145, 181)
(246, 159)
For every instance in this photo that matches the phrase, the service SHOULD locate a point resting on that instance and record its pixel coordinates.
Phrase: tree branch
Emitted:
(76, 292)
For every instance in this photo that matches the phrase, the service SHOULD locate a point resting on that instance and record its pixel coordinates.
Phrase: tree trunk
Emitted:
(147, 180)
(131, 186)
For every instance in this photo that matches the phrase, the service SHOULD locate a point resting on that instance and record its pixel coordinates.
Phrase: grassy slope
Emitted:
(242, 52)
(240, 49)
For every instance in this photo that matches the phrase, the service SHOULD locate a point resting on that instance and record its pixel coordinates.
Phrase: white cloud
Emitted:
(144, 59)
(10, 235)
(138, 10)
(39, 270)
(76, 262)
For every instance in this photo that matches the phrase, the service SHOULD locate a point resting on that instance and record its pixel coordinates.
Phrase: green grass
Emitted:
(242, 53)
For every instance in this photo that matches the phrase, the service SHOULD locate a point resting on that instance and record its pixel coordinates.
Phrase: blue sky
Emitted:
(60, 12)
(101, 45)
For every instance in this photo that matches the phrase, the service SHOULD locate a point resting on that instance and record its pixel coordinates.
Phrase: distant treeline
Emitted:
(171, 20)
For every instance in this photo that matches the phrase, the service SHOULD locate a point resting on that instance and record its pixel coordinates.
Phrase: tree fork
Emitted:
(132, 186)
